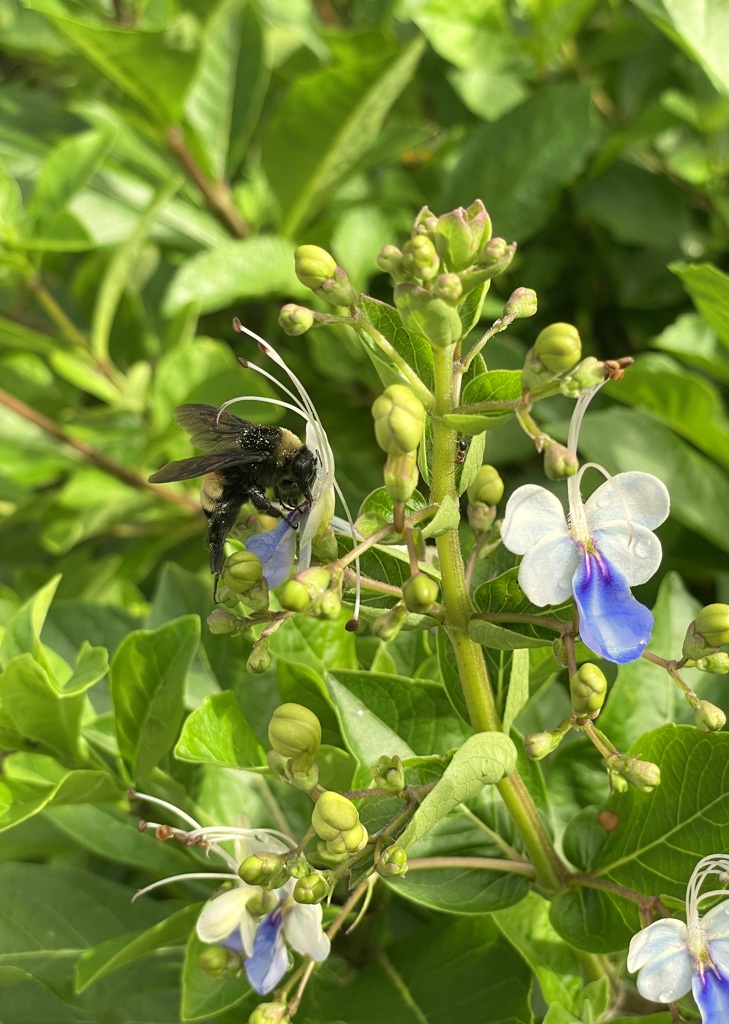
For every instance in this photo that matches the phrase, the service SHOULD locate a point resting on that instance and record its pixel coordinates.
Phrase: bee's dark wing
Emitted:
(212, 430)
(186, 469)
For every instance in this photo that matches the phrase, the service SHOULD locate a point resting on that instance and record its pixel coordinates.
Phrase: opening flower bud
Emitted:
(460, 234)
(311, 889)
(419, 258)
(559, 462)
(420, 593)
(643, 775)
(708, 717)
(313, 265)
(521, 304)
(295, 320)
(393, 863)
(588, 688)
(487, 487)
(388, 773)
(295, 732)
(242, 571)
(399, 420)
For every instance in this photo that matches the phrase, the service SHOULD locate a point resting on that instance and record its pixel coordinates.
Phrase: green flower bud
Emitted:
(295, 732)
(311, 889)
(295, 320)
(480, 517)
(420, 593)
(460, 234)
(559, 651)
(298, 593)
(419, 258)
(324, 546)
(221, 622)
(586, 375)
(328, 606)
(494, 259)
(617, 783)
(262, 902)
(716, 663)
(337, 289)
(522, 303)
(227, 598)
(259, 660)
(401, 476)
(242, 571)
(559, 462)
(216, 960)
(270, 1013)
(538, 744)
(424, 314)
(494, 250)
(487, 487)
(643, 775)
(708, 631)
(399, 420)
(304, 779)
(708, 717)
(299, 867)
(447, 287)
(391, 261)
(266, 869)
(558, 347)
(387, 626)
(588, 688)
(388, 773)
(336, 821)
(425, 223)
(393, 863)
(313, 265)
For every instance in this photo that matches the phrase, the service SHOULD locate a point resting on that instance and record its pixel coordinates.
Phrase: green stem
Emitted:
(469, 655)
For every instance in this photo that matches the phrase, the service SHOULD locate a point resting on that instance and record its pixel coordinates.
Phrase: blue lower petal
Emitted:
(612, 623)
(711, 993)
(276, 549)
(268, 962)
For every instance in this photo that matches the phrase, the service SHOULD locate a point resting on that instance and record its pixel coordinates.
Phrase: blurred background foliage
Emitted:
(161, 159)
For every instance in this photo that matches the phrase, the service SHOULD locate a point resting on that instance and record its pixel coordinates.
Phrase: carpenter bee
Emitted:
(243, 460)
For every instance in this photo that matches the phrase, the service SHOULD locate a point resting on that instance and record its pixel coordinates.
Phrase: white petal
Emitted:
(546, 570)
(532, 513)
(223, 914)
(715, 922)
(302, 927)
(640, 498)
(660, 955)
(635, 552)
(248, 926)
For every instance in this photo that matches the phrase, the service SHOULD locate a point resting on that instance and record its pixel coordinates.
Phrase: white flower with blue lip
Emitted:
(672, 958)
(595, 554)
(227, 919)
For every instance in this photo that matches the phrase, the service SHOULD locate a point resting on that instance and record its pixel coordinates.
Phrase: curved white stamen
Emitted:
(578, 523)
(358, 582)
(184, 878)
(168, 806)
(715, 864)
(220, 833)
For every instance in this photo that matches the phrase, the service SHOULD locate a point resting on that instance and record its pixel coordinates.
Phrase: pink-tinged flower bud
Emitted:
(708, 717)
(311, 889)
(393, 863)
(522, 303)
(295, 320)
(708, 631)
(447, 287)
(487, 487)
(431, 317)
(538, 744)
(337, 290)
(559, 462)
(496, 256)
(716, 663)
(388, 773)
(643, 775)
(588, 689)
(313, 265)
(295, 732)
(391, 261)
(460, 234)
(419, 258)
(420, 593)
(425, 222)
(399, 420)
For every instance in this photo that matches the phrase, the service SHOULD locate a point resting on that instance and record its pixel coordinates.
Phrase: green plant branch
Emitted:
(519, 867)
(217, 194)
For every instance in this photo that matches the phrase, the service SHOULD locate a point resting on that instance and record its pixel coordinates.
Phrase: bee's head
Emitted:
(301, 477)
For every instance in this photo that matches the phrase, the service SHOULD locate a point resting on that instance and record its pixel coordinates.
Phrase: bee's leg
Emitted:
(221, 520)
(259, 500)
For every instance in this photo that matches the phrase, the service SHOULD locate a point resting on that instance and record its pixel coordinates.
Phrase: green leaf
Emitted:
(322, 645)
(377, 510)
(445, 519)
(499, 388)
(709, 290)
(81, 370)
(33, 782)
(691, 340)
(330, 119)
(518, 693)
(217, 733)
(521, 163)
(204, 995)
(33, 709)
(504, 596)
(98, 961)
(472, 463)
(147, 685)
(699, 30)
(482, 760)
(226, 93)
(22, 635)
(249, 269)
(659, 838)
(416, 351)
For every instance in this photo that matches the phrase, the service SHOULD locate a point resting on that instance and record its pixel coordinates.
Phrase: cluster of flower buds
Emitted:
(555, 359)
(630, 771)
(707, 633)
(399, 423)
(445, 258)
(388, 774)
(484, 494)
(336, 821)
(588, 689)
(316, 591)
(294, 733)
